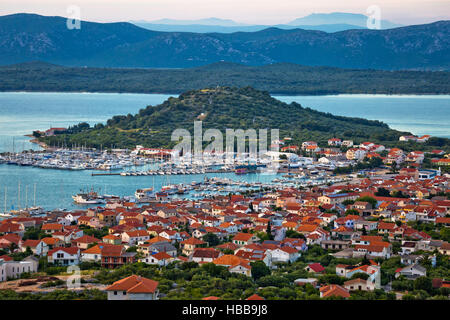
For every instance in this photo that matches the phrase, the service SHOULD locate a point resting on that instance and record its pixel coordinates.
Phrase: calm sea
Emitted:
(417, 114)
(21, 113)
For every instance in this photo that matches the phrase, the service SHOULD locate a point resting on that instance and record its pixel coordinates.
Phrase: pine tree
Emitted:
(269, 231)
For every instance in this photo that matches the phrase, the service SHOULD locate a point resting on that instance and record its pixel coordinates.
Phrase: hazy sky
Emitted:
(247, 11)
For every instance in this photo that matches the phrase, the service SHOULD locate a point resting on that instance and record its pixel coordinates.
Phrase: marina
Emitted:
(60, 174)
(55, 186)
(67, 159)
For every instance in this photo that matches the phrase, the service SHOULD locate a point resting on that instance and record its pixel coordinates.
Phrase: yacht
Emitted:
(169, 189)
(144, 195)
(87, 198)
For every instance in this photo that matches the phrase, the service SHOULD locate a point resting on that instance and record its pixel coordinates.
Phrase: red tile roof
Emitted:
(134, 284)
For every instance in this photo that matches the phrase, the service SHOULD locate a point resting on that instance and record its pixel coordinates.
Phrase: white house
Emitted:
(229, 227)
(202, 255)
(161, 258)
(73, 216)
(284, 254)
(171, 235)
(13, 269)
(355, 154)
(412, 271)
(133, 288)
(241, 268)
(135, 237)
(64, 256)
(93, 254)
(38, 247)
(347, 143)
(359, 284)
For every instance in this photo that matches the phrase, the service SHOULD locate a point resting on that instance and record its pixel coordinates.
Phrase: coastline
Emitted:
(274, 94)
(36, 141)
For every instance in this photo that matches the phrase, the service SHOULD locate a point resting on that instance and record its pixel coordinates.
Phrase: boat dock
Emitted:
(163, 172)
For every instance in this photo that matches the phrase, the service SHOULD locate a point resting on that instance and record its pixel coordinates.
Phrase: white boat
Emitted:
(169, 189)
(5, 215)
(35, 211)
(87, 198)
(144, 195)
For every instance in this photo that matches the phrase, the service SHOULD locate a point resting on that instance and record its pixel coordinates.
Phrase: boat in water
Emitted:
(87, 198)
(35, 211)
(144, 195)
(169, 189)
(244, 169)
(5, 215)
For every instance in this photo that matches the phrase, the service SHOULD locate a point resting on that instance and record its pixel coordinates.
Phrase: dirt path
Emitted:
(15, 285)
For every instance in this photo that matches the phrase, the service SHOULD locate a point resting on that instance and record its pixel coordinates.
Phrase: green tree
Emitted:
(212, 239)
(382, 192)
(423, 283)
(372, 201)
(259, 269)
(360, 275)
(28, 251)
(294, 234)
(394, 167)
(269, 231)
(352, 212)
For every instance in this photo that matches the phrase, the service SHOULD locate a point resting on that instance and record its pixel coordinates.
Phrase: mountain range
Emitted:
(201, 28)
(354, 19)
(328, 22)
(205, 22)
(30, 37)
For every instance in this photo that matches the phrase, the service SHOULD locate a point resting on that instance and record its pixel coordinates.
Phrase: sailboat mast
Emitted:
(34, 200)
(18, 197)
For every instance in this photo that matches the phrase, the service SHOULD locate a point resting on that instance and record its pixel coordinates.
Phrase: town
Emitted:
(383, 232)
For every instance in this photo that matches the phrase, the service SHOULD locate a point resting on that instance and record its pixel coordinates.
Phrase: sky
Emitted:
(244, 11)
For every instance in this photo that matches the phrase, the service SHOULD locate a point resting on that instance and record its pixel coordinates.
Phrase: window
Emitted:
(124, 293)
(115, 293)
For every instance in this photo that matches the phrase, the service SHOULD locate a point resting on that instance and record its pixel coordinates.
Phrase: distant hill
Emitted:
(339, 18)
(222, 108)
(29, 37)
(204, 22)
(199, 28)
(280, 78)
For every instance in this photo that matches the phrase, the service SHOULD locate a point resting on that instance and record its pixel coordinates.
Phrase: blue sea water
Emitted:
(21, 113)
(419, 115)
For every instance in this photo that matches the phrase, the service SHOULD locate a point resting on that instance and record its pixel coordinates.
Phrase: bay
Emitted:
(419, 115)
(21, 113)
